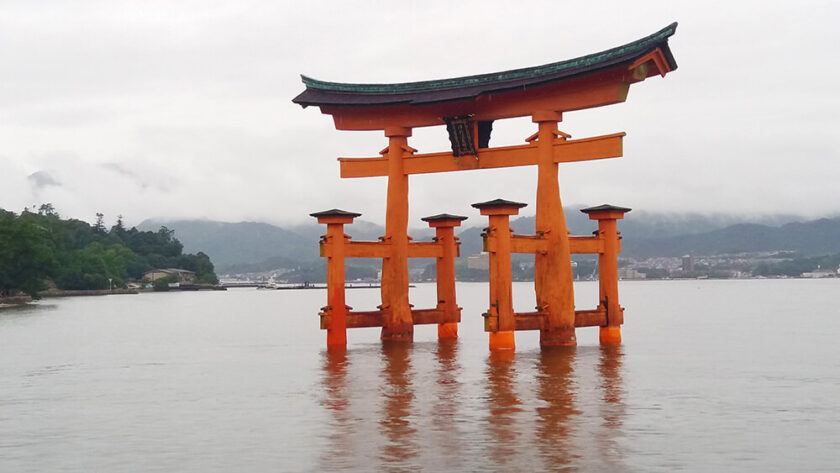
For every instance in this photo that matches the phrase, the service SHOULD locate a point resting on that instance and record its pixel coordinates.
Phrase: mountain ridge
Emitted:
(258, 245)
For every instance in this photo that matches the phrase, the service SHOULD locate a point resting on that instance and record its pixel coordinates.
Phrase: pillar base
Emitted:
(336, 354)
(558, 338)
(397, 335)
(502, 340)
(505, 356)
(448, 330)
(610, 336)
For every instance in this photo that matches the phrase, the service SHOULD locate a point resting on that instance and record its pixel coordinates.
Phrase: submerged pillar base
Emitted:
(564, 337)
(502, 340)
(336, 354)
(399, 333)
(610, 336)
(449, 330)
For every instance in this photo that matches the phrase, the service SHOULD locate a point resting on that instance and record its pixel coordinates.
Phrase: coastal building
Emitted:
(688, 263)
(181, 275)
(630, 273)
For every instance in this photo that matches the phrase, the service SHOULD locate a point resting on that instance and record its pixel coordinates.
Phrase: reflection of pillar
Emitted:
(333, 245)
(606, 215)
(556, 390)
(612, 408)
(444, 225)
(446, 421)
(552, 269)
(397, 403)
(499, 319)
(340, 450)
(397, 323)
(610, 369)
(503, 405)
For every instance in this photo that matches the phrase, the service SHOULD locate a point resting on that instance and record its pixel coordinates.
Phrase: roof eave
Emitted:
(319, 92)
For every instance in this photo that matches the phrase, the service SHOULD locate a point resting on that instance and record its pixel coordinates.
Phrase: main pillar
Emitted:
(606, 215)
(397, 323)
(552, 269)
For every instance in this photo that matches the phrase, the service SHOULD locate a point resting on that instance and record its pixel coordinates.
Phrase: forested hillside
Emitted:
(37, 246)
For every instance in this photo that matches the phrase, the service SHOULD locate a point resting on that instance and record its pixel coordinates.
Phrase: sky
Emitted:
(182, 109)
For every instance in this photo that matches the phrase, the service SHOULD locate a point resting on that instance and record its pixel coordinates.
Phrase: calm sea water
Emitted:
(713, 376)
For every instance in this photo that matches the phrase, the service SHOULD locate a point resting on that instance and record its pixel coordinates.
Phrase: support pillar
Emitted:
(397, 324)
(553, 277)
(606, 215)
(332, 246)
(499, 320)
(444, 225)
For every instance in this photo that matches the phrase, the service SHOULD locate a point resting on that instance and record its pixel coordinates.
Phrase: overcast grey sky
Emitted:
(181, 109)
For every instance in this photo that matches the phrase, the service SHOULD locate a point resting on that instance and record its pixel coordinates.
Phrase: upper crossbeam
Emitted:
(585, 149)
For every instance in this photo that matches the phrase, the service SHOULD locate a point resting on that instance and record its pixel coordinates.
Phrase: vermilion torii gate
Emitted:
(467, 106)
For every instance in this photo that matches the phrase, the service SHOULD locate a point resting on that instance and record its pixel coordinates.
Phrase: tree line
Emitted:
(36, 246)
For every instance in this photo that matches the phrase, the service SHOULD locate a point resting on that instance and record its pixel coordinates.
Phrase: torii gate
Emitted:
(467, 106)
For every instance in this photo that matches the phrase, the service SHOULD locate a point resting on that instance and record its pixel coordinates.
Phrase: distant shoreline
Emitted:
(85, 292)
(18, 301)
(14, 301)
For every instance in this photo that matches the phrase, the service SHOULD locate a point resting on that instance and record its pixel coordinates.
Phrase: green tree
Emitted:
(92, 266)
(99, 226)
(161, 243)
(27, 254)
(47, 210)
(118, 230)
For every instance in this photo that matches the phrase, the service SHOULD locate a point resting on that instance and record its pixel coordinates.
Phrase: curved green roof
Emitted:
(320, 92)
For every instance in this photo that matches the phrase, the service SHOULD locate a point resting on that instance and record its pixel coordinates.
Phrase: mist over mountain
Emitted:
(254, 246)
(230, 244)
(814, 238)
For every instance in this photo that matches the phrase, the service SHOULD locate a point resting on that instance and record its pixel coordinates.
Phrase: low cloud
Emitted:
(189, 114)
(41, 179)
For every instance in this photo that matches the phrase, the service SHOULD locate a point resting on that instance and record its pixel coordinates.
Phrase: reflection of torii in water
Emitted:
(468, 106)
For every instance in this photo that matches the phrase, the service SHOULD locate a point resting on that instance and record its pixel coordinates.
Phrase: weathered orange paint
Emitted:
(532, 244)
(585, 149)
(553, 268)
(336, 246)
(545, 101)
(583, 318)
(382, 249)
(398, 324)
(555, 317)
(336, 309)
(376, 318)
(655, 58)
(594, 90)
(610, 334)
(424, 249)
(445, 274)
(501, 291)
(502, 340)
(367, 249)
